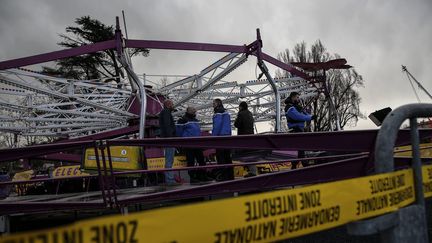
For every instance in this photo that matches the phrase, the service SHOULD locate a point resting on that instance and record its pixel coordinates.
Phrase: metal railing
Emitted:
(407, 224)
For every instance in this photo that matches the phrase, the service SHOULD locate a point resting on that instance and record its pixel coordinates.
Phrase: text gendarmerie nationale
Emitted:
(262, 221)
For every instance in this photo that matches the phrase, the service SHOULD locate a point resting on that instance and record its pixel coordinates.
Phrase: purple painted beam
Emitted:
(288, 67)
(128, 172)
(355, 141)
(172, 45)
(38, 150)
(98, 136)
(339, 63)
(47, 179)
(18, 207)
(343, 169)
(347, 141)
(151, 44)
(51, 56)
(105, 135)
(338, 170)
(187, 46)
(70, 158)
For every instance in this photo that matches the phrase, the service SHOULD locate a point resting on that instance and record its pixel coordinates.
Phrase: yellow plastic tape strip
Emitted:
(261, 217)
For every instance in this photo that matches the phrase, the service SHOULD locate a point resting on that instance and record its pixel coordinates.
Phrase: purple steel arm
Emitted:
(38, 150)
(350, 141)
(24, 207)
(69, 158)
(360, 141)
(98, 136)
(151, 44)
(337, 170)
(342, 169)
(332, 171)
(171, 45)
(353, 167)
(400, 162)
(120, 173)
(105, 135)
(51, 56)
(187, 46)
(288, 67)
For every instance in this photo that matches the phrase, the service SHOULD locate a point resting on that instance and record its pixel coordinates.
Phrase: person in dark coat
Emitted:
(167, 130)
(188, 126)
(222, 127)
(296, 118)
(244, 123)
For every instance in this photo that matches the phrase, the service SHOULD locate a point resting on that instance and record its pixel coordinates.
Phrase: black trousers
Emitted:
(223, 156)
(300, 153)
(195, 156)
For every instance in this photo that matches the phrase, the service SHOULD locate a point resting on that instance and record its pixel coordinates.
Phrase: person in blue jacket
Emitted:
(296, 118)
(294, 113)
(189, 126)
(222, 127)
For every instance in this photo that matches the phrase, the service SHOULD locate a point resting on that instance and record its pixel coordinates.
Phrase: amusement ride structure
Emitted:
(34, 104)
(85, 115)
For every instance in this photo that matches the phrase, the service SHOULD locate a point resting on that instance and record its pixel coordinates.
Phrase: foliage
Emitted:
(90, 66)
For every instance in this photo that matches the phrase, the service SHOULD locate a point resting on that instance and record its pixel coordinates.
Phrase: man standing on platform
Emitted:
(245, 125)
(296, 118)
(189, 126)
(222, 127)
(167, 130)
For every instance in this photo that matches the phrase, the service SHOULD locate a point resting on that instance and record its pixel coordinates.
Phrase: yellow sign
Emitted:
(427, 180)
(23, 175)
(240, 171)
(406, 151)
(122, 157)
(68, 171)
(21, 189)
(263, 217)
(159, 163)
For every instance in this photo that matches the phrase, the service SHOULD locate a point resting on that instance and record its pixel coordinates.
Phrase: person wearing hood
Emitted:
(296, 118)
(188, 126)
(294, 113)
(222, 127)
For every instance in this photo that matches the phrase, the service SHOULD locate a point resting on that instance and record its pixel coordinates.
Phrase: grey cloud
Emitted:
(374, 36)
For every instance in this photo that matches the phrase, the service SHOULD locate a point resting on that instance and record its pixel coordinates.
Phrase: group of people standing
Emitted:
(189, 126)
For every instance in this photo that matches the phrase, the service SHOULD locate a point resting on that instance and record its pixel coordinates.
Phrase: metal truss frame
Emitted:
(41, 105)
(109, 102)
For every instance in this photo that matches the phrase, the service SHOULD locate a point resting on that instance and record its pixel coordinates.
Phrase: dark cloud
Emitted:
(374, 36)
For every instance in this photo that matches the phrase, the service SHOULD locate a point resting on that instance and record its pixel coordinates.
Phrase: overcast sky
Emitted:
(376, 37)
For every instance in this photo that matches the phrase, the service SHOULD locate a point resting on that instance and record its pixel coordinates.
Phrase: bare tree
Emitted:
(342, 86)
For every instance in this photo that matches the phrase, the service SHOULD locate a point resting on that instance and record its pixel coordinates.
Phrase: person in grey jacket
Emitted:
(167, 130)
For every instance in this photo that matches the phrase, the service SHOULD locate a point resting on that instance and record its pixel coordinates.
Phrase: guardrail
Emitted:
(407, 224)
(391, 225)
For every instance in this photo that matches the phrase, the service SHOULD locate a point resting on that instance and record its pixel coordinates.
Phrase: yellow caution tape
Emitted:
(261, 217)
